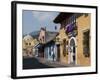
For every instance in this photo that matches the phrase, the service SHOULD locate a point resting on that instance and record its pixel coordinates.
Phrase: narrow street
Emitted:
(33, 63)
(38, 63)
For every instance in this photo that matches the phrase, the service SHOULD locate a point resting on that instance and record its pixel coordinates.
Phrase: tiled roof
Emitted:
(50, 36)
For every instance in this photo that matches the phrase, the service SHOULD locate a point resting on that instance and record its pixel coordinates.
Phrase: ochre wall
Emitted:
(62, 35)
(28, 47)
(84, 24)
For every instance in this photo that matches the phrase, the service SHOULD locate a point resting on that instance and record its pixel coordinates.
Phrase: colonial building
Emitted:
(47, 48)
(28, 43)
(50, 46)
(74, 38)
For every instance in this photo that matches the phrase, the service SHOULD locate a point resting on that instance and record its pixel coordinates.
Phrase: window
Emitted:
(86, 44)
(43, 39)
(86, 14)
(26, 43)
(71, 24)
(57, 39)
(40, 40)
(63, 23)
(72, 19)
(64, 47)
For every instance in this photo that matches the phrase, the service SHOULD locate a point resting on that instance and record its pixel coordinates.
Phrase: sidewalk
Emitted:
(55, 63)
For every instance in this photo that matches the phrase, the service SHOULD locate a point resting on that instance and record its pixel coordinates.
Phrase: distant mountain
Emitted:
(24, 35)
(34, 34)
(50, 35)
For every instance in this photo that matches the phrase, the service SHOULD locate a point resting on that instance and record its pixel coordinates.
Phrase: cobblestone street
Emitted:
(33, 63)
(55, 63)
(37, 63)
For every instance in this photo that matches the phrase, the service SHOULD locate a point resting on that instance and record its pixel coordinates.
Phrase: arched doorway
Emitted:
(72, 51)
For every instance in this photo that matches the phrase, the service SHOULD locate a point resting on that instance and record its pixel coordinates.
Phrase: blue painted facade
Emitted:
(50, 51)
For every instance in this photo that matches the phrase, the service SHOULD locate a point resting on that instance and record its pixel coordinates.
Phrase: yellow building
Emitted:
(28, 44)
(74, 38)
(83, 39)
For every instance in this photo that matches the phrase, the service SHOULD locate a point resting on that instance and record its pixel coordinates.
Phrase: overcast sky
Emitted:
(34, 20)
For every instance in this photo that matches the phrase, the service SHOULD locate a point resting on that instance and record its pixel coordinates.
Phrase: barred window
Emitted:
(86, 44)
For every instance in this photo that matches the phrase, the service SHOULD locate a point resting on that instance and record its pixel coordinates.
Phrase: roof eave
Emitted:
(61, 17)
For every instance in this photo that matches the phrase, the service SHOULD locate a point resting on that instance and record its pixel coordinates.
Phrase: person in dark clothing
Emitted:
(53, 56)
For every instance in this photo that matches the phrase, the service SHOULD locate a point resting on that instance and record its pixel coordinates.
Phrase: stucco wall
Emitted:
(62, 35)
(31, 42)
(83, 23)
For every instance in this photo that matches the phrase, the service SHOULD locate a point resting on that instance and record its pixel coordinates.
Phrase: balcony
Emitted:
(71, 28)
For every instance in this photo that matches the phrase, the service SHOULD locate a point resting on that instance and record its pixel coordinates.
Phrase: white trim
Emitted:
(74, 38)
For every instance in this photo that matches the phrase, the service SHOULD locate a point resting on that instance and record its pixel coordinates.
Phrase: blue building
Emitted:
(50, 49)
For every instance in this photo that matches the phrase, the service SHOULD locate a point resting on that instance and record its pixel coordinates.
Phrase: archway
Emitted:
(72, 51)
